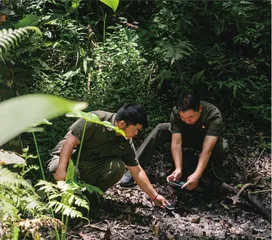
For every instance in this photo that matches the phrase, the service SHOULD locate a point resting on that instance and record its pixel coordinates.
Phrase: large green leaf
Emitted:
(28, 20)
(70, 176)
(90, 117)
(20, 113)
(113, 4)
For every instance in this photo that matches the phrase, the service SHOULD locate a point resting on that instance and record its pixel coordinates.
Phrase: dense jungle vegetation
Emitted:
(146, 52)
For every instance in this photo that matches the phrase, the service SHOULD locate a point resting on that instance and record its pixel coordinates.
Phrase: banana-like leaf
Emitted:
(90, 117)
(113, 4)
(70, 171)
(20, 113)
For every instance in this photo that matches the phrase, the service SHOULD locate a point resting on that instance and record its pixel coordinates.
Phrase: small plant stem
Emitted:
(39, 157)
(104, 27)
(80, 147)
(66, 225)
(62, 231)
(56, 231)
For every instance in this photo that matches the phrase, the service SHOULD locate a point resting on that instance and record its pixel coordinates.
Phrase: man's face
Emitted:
(132, 130)
(190, 116)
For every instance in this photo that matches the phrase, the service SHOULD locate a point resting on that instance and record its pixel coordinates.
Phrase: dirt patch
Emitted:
(208, 213)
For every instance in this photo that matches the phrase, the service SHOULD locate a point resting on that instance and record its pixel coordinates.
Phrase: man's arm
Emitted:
(142, 180)
(208, 145)
(66, 151)
(176, 149)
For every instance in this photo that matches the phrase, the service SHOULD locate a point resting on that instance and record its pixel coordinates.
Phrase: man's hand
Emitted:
(192, 182)
(60, 174)
(174, 176)
(160, 201)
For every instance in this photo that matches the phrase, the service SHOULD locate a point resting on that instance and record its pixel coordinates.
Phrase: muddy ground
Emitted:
(207, 214)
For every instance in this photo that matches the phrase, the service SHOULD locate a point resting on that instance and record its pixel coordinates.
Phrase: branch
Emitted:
(242, 189)
(254, 201)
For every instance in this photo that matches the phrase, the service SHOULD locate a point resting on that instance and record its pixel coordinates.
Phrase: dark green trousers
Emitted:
(102, 173)
(161, 135)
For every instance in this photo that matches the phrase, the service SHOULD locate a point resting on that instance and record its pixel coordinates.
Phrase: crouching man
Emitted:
(105, 153)
(197, 145)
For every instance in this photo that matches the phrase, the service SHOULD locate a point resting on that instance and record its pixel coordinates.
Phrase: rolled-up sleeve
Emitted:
(175, 123)
(215, 126)
(78, 126)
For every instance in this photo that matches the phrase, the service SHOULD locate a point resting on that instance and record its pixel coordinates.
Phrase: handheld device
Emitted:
(179, 184)
(169, 207)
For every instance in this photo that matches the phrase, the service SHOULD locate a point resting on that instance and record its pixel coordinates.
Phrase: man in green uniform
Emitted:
(194, 130)
(104, 152)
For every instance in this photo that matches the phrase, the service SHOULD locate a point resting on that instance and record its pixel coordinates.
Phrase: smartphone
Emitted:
(179, 184)
(170, 207)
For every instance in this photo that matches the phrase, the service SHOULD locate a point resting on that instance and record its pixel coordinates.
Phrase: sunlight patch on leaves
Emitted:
(113, 4)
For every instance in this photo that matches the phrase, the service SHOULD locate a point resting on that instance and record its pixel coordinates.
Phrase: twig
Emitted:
(247, 136)
(133, 226)
(257, 159)
(240, 191)
(98, 228)
(261, 191)
(123, 237)
(255, 202)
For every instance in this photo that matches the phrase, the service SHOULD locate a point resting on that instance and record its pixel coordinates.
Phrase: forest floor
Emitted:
(127, 213)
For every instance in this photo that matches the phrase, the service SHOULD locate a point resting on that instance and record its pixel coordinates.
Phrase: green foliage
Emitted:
(90, 117)
(13, 37)
(227, 60)
(119, 73)
(113, 4)
(173, 52)
(16, 195)
(65, 192)
(31, 109)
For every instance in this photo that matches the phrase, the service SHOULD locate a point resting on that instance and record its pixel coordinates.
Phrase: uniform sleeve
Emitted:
(78, 126)
(175, 123)
(215, 126)
(130, 157)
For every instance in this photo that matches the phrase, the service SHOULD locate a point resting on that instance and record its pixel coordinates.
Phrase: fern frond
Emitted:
(11, 38)
(30, 168)
(32, 203)
(65, 209)
(8, 210)
(90, 188)
(9, 179)
(15, 232)
(172, 52)
(71, 198)
(48, 187)
(19, 192)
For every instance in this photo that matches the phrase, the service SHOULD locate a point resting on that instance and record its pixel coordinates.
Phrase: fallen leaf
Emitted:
(156, 229)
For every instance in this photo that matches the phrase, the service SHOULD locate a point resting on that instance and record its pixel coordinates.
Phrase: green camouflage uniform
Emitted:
(209, 124)
(103, 153)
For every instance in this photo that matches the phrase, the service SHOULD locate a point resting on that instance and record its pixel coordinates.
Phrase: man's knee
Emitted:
(52, 166)
(116, 169)
(163, 127)
(111, 173)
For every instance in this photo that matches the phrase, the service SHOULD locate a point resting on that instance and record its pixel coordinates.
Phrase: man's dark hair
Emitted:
(189, 101)
(132, 114)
